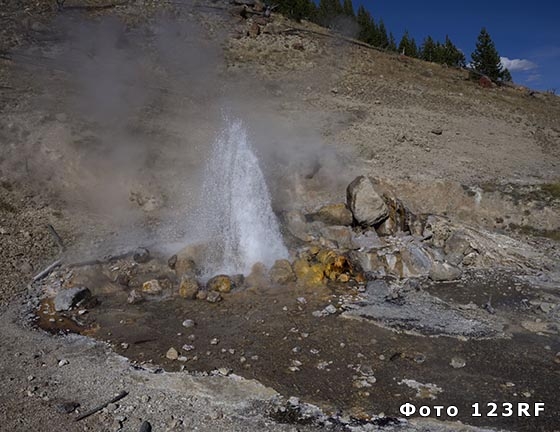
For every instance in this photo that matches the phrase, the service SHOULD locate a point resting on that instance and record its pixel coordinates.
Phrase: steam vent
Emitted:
(238, 215)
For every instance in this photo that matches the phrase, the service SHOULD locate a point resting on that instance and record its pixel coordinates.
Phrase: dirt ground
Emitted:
(112, 159)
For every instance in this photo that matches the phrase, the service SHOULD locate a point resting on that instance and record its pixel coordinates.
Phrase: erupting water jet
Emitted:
(242, 228)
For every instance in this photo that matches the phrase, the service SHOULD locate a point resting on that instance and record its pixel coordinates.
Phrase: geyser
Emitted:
(242, 227)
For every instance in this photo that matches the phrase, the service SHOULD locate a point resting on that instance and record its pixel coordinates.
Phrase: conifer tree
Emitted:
(366, 25)
(428, 50)
(348, 8)
(407, 45)
(392, 43)
(297, 9)
(381, 38)
(485, 58)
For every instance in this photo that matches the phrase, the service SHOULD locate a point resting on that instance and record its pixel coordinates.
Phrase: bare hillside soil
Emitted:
(107, 115)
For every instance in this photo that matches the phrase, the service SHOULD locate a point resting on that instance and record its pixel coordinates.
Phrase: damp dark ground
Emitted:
(262, 333)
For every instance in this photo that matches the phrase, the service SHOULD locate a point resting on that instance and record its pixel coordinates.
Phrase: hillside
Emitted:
(108, 112)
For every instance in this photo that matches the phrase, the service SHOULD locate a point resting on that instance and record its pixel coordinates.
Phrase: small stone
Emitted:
(67, 407)
(151, 287)
(458, 362)
(330, 309)
(214, 341)
(437, 131)
(224, 371)
(172, 354)
(63, 362)
(134, 297)
(30, 378)
(202, 295)
(187, 347)
(301, 300)
(188, 323)
(124, 345)
(213, 297)
(141, 255)
(182, 358)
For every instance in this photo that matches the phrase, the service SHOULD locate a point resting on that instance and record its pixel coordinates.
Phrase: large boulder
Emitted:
(366, 205)
(332, 214)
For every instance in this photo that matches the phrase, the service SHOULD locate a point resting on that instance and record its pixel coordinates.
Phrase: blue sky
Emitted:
(526, 33)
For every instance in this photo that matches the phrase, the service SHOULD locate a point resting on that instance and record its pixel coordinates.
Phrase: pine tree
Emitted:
(297, 9)
(407, 46)
(367, 28)
(392, 43)
(452, 56)
(381, 38)
(506, 76)
(428, 50)
(348, 8)
(485, 58)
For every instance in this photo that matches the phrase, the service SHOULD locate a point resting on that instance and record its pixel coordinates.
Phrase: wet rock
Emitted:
(444, 272)
(141, 255)
(172, 354)
(332, 214)
(213, 297)
(190, 257)
(220, 283)
(188, 323)
(309, 275)
(68, 298)
(367, 207)
(282, 273)
(189, 287)
(151, 287)
(134, 297)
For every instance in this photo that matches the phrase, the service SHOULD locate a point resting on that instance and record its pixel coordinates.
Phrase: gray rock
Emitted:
(296, 224)
(417, 261)
(367, 207)
(444, 272)
(67, 298)
(341, 235)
